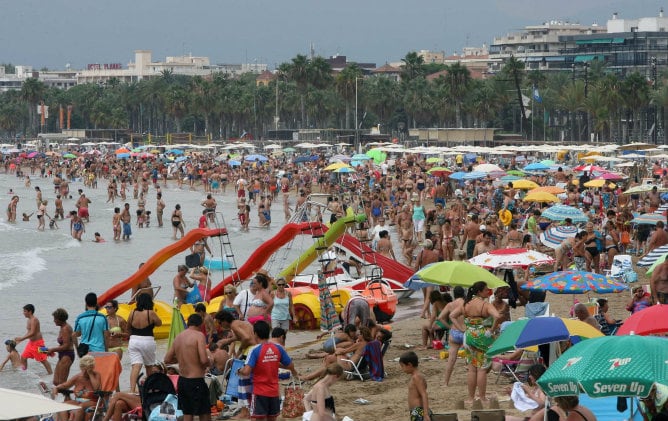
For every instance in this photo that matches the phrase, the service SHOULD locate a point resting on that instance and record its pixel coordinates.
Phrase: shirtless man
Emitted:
(654, 199)
(471, 232)
(210, 207)
(189, 351)
(60, 211)
(35, 340)
(485, 245)
(126, 219)
(242, 331)
(160, 209)
(658, 238)
(285, 189)
(405, 222)
(427, 256)
(659, 284)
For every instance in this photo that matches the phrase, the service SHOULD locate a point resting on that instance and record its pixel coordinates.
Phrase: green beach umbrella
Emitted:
(433, 160)
(660, 260)
(458, 274)
(515, 172)
(69, 156)
(177, 326)
(288, 149)
(377, 155)
(547, 162)
(609, 366)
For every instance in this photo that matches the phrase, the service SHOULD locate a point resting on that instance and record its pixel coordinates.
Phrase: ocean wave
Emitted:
(22, 266)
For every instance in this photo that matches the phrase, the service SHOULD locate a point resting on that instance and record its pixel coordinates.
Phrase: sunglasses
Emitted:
(109, 307)
(280, 285)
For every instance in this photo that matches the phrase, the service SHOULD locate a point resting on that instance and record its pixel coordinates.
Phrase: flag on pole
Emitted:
(178, 325)
(536, 95)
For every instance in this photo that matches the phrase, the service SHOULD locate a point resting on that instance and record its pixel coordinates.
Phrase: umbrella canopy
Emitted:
(540, 330)
(360, 157)
(433, 170)
(459, 175)
(344, 170)
(458, 274)
(561, 212)
(648, 321)
(255, 157)
(289, 149)
(177, 326)
(548, 162)
(301, 159)
(541, 197)
(659, 260)
(611, 176)
(123, 155)
(608, 366)
(33, 154)
(487, 168)
(510, 258)
(515, 172)
(272, 146)
(536, 166)
(233, 163)
(122, 150)
(589, 168)
(175, 152)
(335, 158)
(377, 155)
(574, 282)
(525, 184)
(69, 156)
(433, 160)
(336, 166)
(474, 175)
(599, 182)
(329, 320)
(15, 405)
(648, 219)
(548, 189)
(506, 178)
(639, 189)
(554, 236)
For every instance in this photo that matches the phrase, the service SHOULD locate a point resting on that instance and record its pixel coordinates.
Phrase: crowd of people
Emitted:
(424, 218)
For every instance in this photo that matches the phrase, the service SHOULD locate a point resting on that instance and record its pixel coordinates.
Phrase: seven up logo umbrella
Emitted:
(609, 366)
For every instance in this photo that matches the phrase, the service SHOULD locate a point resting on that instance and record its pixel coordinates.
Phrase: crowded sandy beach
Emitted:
(578, 209)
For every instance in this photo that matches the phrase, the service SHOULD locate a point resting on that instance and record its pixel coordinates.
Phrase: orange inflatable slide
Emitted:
(153, 263)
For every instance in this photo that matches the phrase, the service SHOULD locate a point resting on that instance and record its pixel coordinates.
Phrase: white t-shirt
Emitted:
(243, 300)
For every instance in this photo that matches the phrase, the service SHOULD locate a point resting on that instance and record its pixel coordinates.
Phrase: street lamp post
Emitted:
(356, 133)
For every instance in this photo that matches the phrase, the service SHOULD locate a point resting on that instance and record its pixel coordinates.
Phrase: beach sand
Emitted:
(387, 399)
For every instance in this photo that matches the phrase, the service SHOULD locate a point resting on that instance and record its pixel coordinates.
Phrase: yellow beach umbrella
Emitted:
(599, 183)
(548, 189)
(155, 151)
(336, 166)
(524, 184)
(542, 197)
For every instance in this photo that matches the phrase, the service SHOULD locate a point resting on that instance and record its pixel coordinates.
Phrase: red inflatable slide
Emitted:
(153, 263)
(392, 269)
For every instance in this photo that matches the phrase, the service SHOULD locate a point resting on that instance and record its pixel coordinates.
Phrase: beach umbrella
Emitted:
(18, 405)
(474, 175)
(336, 166)
(574, 282)
(377, 155)
(255, 157)
(289, 149)
(643, 188)
(561, 212)
(488, 168)
(541, 197)
(272, 146)
(459, 175)
(599, 182)
(433, 160)
(548, 162)
(329, 320)
(458, 274)
(123, 155)
(344, 170)
(648, 219)
(122, 150)
(52, 153)
(548, 189)
(33, 154)
(648, 321)
(589, 168)
(608, 366)
(181, 159)
(439, 171)
(510, 258)
(233, 163)
(177, 326)
(155, 151)
(302, 159)
(658, 262)
(524, 333)
(175, 152)
(515, 172)
(525, 184)
(360, 157)
(343, 158)
(612, 176)
(554, 236)
(536, 166)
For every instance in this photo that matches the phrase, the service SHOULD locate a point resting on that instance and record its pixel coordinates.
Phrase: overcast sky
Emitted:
(53, 33)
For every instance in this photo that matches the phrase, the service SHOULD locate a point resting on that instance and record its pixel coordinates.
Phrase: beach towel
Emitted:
(520, 399)
(374, 359)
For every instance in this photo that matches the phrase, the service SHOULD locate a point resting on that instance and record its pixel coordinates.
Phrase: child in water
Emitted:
(13, 355)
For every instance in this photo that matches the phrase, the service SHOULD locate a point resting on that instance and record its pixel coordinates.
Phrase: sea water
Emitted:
(50, 269)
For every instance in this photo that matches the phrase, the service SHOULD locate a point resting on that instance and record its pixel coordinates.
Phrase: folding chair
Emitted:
(488, 415)
(517, 369)
(109, 367)
(370, 365)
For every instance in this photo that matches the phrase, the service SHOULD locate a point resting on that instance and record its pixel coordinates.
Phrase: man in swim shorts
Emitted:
(35, 340)
(189, 351)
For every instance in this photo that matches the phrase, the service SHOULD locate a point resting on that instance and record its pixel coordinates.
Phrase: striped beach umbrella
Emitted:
(561, 212)
(554, 236)
(648, 219)
(653, 256)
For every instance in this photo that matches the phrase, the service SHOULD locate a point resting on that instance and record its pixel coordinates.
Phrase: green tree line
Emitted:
(307, 94)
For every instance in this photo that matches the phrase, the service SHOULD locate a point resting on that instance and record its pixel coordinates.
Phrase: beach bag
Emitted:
(293, 404)
(193, 260)
(194, 296)
(600, 245)
(82, 349)
(167, 410)
(625, 238)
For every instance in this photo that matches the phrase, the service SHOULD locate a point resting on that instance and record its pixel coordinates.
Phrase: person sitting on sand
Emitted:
(357, 350)
(528, 396)
(341, 339)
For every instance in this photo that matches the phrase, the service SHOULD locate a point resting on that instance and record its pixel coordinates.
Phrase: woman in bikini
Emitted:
(177, 221)
(260, 306)
(65, 348)
(83, 385)
(448, 244)
(592, 255)
(565, 408)
(319, 399)
(118, 330)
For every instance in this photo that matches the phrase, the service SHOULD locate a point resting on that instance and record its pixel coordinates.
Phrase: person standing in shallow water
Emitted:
(177, 221)
(35, 343)
(126, 219)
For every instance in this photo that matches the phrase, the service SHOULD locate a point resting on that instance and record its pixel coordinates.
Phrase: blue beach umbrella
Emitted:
(459, 175)
(653, 256)
(175, 152)
(180, 159)
(233, 163)
(123, 155)
(474, 175)
(561, 212)
(536, 166)
(253, 158)
(302, 159)
(360, 157)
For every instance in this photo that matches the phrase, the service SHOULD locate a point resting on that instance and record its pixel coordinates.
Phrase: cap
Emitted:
(10, 342)
(483, 227)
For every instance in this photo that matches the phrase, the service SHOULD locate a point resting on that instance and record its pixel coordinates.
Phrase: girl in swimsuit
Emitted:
(320, 399)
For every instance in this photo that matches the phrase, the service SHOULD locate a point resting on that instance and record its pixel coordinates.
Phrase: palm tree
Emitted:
(458, 79)
(635, 92)
(32, 92)
(413, 67)
(572, 100)
(297, 72)
(346, 81)
(514, 69)
(610, 88)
